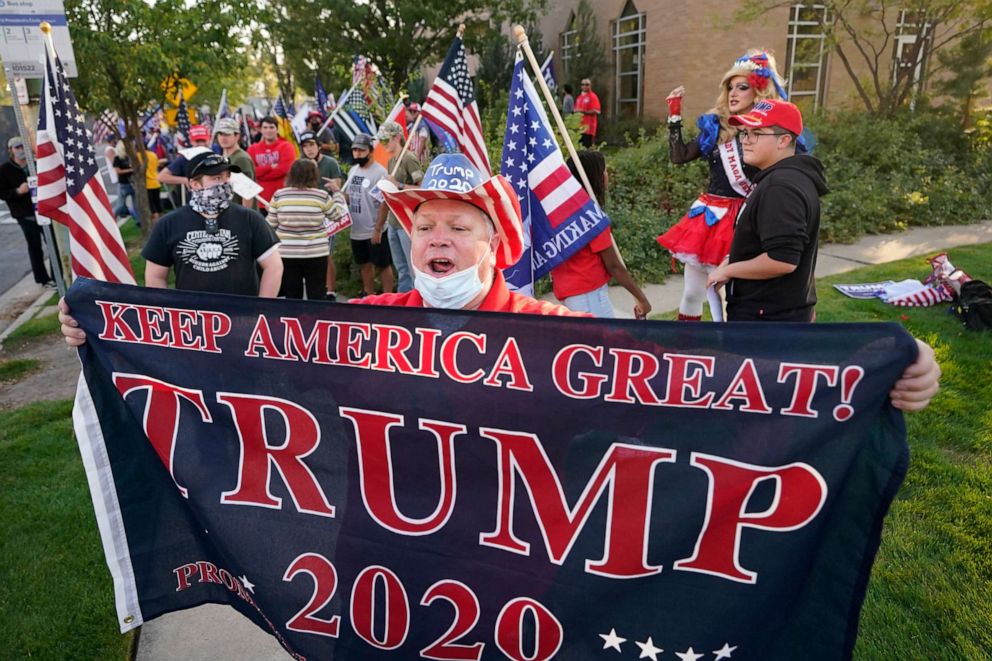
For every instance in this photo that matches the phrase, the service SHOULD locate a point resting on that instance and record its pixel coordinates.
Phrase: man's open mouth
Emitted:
(440, 265)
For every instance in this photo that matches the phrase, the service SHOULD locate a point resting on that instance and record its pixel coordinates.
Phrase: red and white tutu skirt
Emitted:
(702, 237)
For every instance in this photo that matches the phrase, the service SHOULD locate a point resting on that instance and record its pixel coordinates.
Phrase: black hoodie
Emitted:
(782, 218)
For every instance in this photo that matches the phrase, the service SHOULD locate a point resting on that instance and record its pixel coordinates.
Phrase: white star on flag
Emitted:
(248, 584)
(612, 640)
(648, 650)
(689, 655)
(724, 652)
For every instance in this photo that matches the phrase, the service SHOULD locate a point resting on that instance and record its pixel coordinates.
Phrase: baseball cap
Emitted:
(16, 141)
(308, 136)
(389, 130)
(199, 132)
(454, 177)
(413, 107)
(210, 163)
(314, 113)
(362, 141)
(227, 125)
(771, 112)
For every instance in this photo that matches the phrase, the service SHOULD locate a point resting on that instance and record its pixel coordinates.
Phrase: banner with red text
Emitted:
(374, 482)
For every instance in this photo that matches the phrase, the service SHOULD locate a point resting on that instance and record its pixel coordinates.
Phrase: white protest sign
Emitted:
(244, 186)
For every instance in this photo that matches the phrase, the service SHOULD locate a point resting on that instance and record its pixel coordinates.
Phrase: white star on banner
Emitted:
(648, 650)
(612, 640)
(724, 652)
(689, 655)
(248, 584)
(514, 128)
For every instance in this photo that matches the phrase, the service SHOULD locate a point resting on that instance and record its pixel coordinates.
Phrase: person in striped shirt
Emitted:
(297, 213)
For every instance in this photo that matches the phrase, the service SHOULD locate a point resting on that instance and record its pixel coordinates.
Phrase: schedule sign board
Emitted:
(22, 44)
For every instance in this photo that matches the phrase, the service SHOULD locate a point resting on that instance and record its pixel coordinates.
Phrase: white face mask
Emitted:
(451, 292)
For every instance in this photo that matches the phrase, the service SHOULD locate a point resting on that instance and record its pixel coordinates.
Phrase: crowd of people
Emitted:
(449, 229)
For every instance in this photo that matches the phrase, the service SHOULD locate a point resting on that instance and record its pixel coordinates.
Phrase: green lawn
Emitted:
(14, 370)
(56, 596)
(929, 596)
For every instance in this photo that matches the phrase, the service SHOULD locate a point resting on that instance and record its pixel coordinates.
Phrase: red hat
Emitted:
(314, 113)
(199, 132)
(771, 112)
(453, 177)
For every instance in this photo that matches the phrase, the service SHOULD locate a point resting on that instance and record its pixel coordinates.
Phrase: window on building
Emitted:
(806, 56)
(628, 59)
(908, 56)
(566, 44)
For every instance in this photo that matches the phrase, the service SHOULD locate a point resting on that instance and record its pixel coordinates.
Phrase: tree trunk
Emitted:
(139, 164)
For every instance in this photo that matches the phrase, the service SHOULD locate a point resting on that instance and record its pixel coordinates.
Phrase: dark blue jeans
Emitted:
(123, 192)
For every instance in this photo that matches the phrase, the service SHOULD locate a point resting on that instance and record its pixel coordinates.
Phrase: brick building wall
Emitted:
(693, 44)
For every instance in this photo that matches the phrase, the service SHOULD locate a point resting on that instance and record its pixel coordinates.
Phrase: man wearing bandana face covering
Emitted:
(464, 227)
(214, 245)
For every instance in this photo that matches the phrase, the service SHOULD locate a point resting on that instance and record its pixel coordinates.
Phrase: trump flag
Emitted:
(381, 482)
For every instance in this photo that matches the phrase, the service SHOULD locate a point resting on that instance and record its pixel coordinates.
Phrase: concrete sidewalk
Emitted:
(218, 633)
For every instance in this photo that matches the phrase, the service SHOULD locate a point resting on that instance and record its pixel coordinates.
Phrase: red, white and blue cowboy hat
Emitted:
(453, 177)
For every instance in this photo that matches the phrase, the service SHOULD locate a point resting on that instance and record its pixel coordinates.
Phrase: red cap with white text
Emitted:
(771, 112)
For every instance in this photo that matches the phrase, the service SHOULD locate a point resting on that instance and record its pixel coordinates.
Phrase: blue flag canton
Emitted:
(455, 72)
(528, 138)
(70, 130)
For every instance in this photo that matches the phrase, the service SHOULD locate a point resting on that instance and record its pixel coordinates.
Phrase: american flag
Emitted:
(451, 107)
(559, 216)
(182, 118)
(103, 128)
(548, 72)
(69, 188)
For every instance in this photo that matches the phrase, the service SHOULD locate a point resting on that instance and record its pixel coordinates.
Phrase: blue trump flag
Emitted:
(371, 482)
(559, 216)
(548, 72)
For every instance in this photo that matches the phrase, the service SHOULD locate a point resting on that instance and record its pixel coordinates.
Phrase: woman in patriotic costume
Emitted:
(701, 239)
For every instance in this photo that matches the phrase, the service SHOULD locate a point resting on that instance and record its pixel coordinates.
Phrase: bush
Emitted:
(647, 195)
(884, 175)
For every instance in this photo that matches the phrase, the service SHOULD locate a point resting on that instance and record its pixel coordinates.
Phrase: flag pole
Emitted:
(406, 146)
(58, 268)
(522, 41)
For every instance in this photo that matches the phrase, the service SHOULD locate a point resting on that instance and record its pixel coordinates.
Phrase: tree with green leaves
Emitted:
(399, 36)
(587, 58)
(864, 34)
(969, 65)
(125, 49)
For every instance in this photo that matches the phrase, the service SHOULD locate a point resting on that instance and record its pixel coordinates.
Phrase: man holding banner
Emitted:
(603, 526)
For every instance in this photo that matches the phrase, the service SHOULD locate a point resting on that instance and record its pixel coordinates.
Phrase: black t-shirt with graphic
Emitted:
(224, 262)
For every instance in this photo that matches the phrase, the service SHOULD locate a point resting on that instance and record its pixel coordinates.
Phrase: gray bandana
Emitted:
(211, 201)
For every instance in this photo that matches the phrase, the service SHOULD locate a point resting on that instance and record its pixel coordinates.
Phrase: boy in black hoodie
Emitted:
(773, 254)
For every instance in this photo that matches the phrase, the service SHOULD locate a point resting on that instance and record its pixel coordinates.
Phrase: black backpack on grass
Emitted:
(974, 305)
